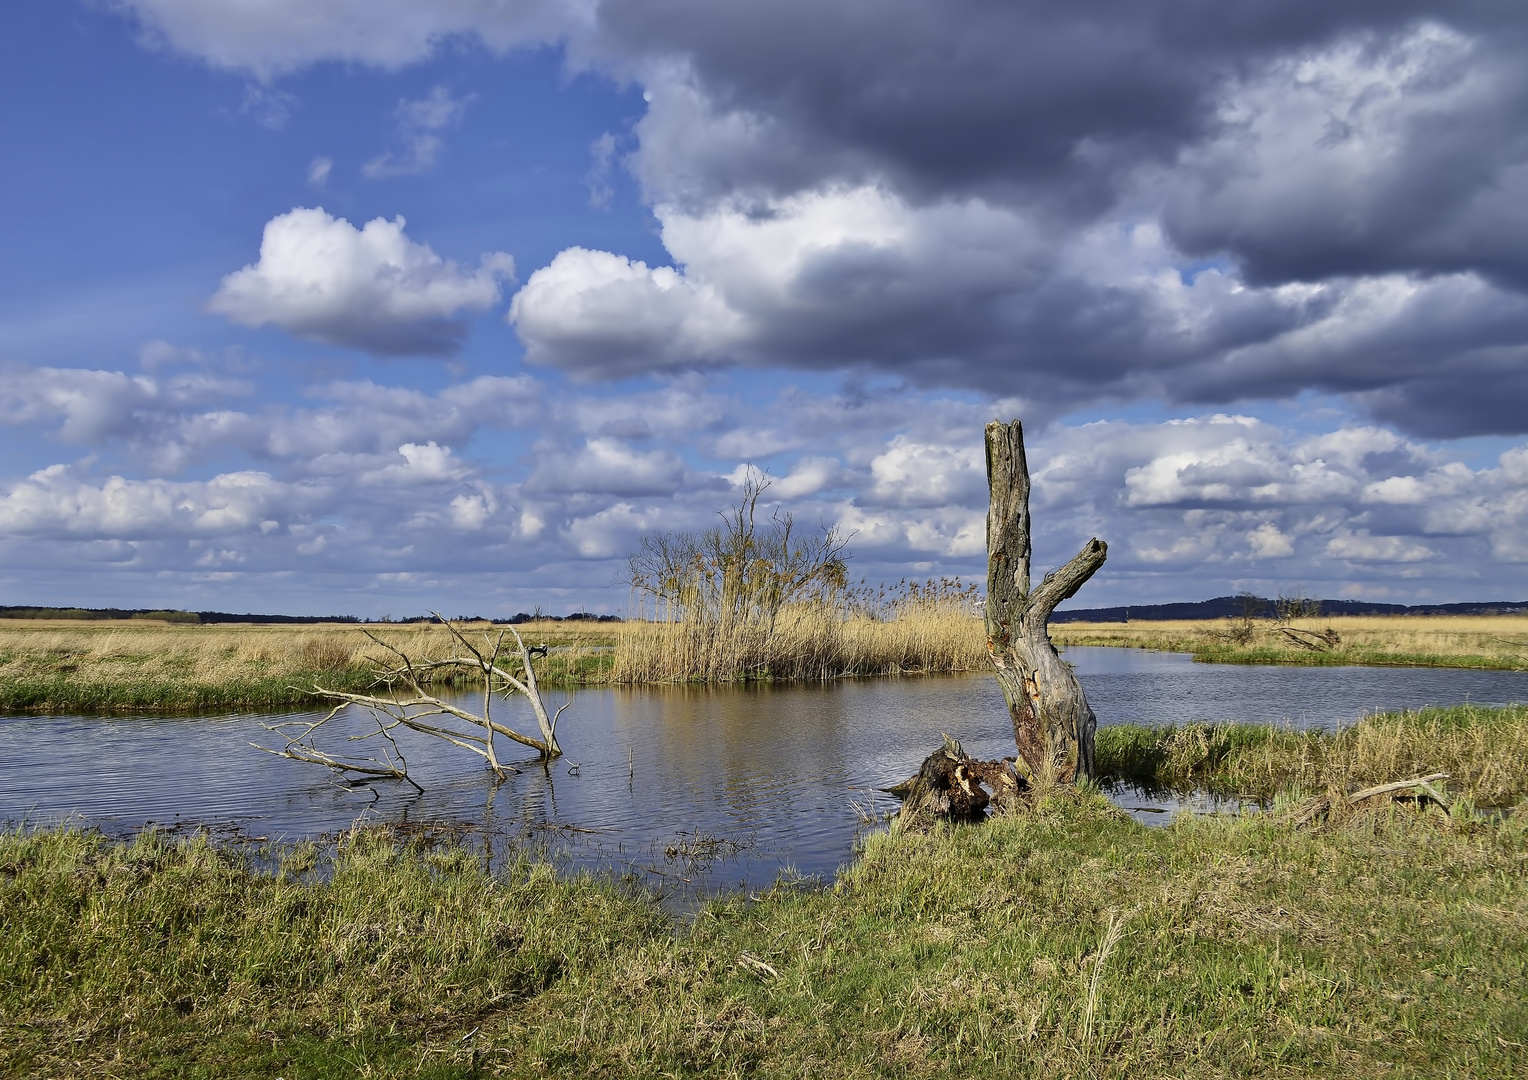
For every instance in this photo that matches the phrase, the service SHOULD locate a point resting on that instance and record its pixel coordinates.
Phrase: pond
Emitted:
(689, 789)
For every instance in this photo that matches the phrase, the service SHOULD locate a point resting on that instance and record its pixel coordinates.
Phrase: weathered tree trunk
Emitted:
(1052, 724)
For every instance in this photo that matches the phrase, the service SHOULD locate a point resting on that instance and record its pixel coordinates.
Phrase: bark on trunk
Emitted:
(1052, 723)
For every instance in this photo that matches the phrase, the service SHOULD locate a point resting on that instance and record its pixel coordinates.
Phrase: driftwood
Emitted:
(407, 705)
(1052, 723)
(1309, 639)
(1419, 788)
(1424, 784)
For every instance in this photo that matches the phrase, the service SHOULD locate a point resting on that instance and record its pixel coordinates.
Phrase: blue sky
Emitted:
(321, 307)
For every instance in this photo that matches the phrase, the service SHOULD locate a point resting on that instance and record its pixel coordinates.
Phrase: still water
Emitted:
(689, 789)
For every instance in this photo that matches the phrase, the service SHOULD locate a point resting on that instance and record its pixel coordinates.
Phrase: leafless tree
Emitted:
(405, 705)
(743, 571)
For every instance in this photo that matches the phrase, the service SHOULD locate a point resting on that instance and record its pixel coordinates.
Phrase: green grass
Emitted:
(63, 693)
(1484, 751)
(1215, 653)
(1396, 946)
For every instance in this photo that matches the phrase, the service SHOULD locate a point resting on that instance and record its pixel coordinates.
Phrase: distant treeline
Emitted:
(211, 617)
(162, 615)
(1236, 607)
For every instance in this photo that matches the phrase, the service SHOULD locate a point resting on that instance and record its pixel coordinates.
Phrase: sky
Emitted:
(320, 306)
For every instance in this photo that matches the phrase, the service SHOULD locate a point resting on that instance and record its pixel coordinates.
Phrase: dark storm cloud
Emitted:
(1035, 98)
(1341, 187)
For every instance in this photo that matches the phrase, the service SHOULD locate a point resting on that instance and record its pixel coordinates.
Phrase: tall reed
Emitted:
(804, 642)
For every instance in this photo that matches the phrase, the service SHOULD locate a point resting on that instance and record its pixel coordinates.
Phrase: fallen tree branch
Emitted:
(416, 709)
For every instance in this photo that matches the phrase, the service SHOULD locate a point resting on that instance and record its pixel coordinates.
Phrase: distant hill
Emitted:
(1224, 607)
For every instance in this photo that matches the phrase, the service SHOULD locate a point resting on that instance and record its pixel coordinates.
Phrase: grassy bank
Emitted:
(1484, 751)
(1396, 946)
(1487, 642)
(147, 667)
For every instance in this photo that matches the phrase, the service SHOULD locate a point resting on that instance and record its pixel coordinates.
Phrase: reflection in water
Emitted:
(681, 786)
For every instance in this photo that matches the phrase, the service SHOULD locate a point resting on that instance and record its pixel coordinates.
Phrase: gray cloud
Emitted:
(954, 191)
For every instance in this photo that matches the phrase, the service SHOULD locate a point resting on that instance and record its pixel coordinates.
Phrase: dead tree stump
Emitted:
(1052, 723)
(952, 784)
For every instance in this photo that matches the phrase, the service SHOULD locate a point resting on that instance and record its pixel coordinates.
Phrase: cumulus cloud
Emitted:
(1224, 495)
(604, 315)
(56, 502)
(608, 466)
(1086, 203)
(321, 278)
(167, 423)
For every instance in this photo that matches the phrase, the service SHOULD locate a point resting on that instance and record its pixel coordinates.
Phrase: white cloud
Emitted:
(909, 473)
(56, 502)
(1361, 547)
(607, 466)
(808, 476)
(603, 315)
(371, 288)
(1268, 543)
(318, 173)
(275, 36)
(419, 126)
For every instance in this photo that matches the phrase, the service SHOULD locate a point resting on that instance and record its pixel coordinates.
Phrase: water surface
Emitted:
(685, 787)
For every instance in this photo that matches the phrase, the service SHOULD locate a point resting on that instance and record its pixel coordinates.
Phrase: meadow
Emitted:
(1061, 939)
(1487, 642)
(142, 666)
(138, 666)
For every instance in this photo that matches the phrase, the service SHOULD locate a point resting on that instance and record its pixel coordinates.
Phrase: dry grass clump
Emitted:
(1494, 642)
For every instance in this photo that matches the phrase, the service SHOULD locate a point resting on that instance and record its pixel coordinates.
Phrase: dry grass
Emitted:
(806, 643)
(138, 666)
(1483, 750)
(1497, 641)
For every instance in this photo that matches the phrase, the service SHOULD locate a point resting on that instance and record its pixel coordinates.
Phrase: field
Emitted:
(1497, 642)
(137, 666)
(1060, 940)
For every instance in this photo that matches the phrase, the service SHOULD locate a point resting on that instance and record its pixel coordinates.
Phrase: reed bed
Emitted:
(1498, 642)
(806, 643)
(1483, 750)
(1063, 941)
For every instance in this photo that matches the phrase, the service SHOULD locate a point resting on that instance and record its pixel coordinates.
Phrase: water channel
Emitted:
(688, 789)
